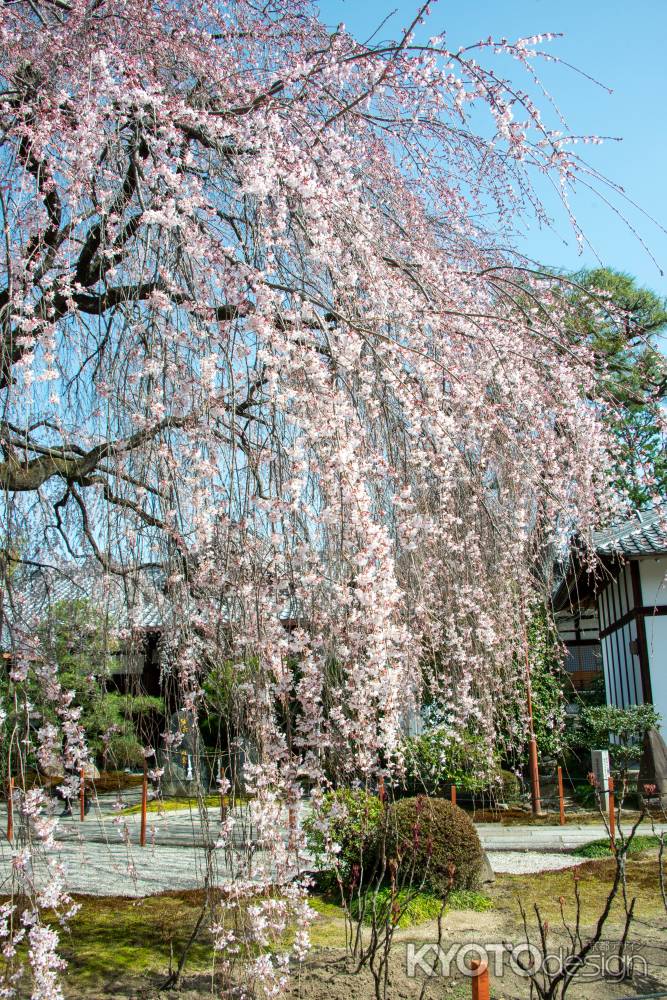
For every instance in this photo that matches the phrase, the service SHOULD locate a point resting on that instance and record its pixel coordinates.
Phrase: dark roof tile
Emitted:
(643, 534)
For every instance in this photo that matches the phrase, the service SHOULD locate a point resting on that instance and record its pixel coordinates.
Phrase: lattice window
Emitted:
(587, 659)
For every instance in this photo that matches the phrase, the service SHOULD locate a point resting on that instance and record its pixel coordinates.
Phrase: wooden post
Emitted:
(453, 794)
(480, 980)
(381, 791)
(561, 798)
(144, 803)
(10, 809)
(82, 796)
(535, 794)
(612, 816)
(223, 807)
(292, 818)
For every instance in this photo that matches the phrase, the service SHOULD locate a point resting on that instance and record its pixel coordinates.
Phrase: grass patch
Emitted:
(595, 878)
(602, 848)
(414, 908)
(406, 909)
(174, 805)
(469, 899)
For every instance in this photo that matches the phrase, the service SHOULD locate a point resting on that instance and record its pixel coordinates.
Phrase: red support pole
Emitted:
(480, 980)
(453, 794)
(612, 816)
(292, 818)
(10, 810)
(82, 796)
(144, 803)
(535, 794)
(561, 797)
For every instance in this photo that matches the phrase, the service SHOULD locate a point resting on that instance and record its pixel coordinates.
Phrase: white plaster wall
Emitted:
(654, 591)
(652, 573)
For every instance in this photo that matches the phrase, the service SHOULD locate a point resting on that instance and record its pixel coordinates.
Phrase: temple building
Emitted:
(615, 619)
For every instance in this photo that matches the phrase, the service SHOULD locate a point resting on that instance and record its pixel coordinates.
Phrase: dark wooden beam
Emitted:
(642, 646)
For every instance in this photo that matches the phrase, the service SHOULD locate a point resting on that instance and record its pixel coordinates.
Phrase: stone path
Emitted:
(102, 857)
(530, 862)
(495, 837)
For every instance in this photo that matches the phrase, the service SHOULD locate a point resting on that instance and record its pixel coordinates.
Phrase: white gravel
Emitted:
(529, 862)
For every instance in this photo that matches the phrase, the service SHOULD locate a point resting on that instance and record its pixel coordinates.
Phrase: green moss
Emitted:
(110, 938)
(552, 888)
(325, 906)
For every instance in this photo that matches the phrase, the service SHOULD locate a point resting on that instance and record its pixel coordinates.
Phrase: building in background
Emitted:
(617, 616)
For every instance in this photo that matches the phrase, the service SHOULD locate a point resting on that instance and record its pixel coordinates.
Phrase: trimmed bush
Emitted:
(434, 843)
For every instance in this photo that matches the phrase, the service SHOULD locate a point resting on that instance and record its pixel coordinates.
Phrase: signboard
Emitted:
(600, 768)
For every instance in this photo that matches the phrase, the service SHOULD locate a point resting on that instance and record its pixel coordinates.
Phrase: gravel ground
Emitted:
(529, 862)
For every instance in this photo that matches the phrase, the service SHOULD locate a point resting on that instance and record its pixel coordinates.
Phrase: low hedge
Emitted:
(433, 843)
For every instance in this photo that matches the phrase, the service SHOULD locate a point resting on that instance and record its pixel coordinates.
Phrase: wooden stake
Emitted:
(612, 816)
(480, 980)
(453, 794)
(10, 810)
(82, 796)
(223, 807)
(561, 798)
(144, 803)
(292, 817)
(535, 794)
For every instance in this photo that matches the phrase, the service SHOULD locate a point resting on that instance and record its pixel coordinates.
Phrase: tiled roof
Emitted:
(139, 604)
(123, 604)
(643, 534)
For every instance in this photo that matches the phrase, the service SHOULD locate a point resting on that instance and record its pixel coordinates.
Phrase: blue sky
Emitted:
(622, 44)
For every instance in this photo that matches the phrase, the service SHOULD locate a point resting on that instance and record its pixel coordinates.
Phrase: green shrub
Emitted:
(584, 795)
(508, 789)
(618, 730)
(434, 760)
(602, 848)
(353, 818)
(434, 844)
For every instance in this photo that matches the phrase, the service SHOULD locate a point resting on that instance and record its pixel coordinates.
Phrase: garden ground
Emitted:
(121, 948)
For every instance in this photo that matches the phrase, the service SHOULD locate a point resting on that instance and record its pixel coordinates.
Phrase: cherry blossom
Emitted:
(257, 340)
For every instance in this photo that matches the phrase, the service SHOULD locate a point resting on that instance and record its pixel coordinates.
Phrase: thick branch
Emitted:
(21, 477)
